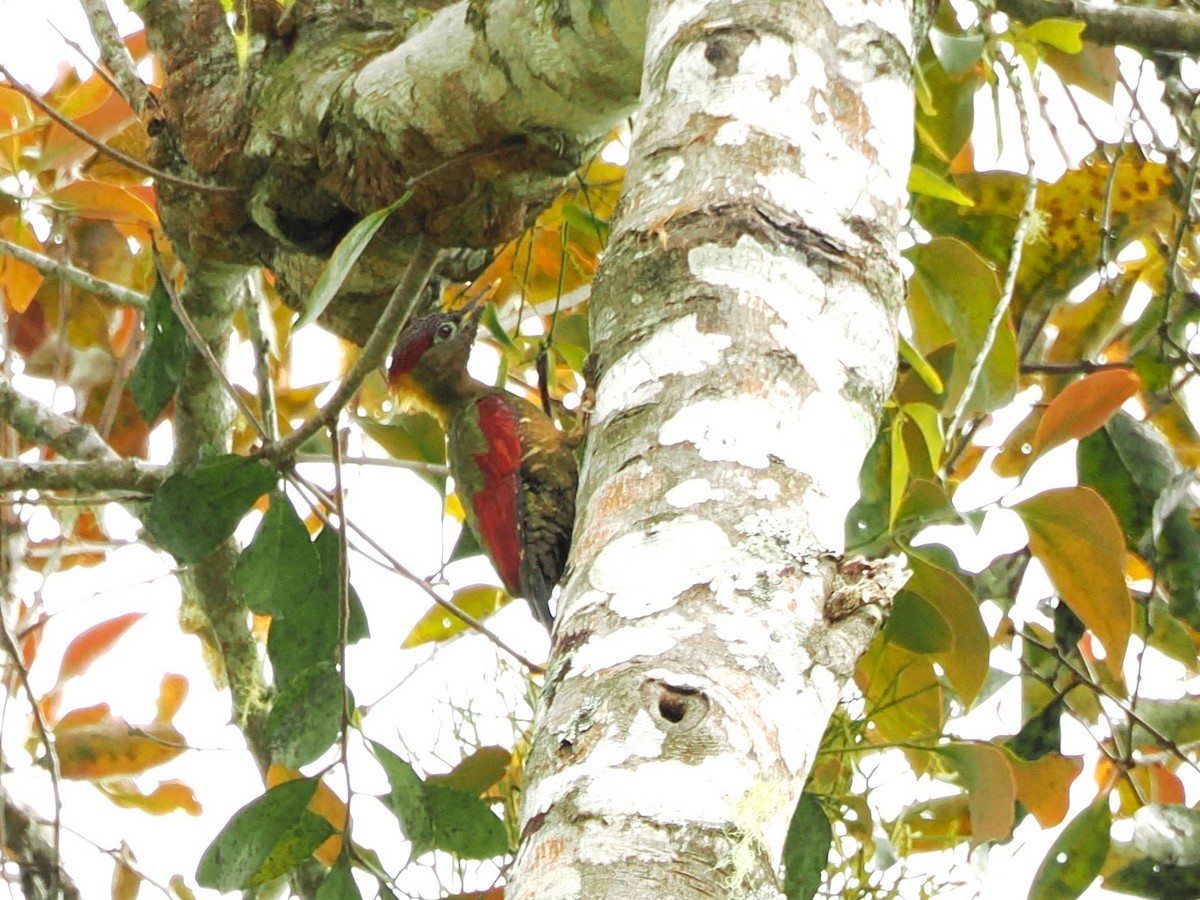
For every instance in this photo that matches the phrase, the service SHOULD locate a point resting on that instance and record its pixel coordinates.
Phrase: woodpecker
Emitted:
(514, 470)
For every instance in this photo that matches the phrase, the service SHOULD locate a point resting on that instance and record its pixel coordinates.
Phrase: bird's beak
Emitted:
(476, 303)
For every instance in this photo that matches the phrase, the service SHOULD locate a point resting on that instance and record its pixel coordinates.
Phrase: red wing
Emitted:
(497, 504)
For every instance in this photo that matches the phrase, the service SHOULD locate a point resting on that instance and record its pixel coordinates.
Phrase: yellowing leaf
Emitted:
(937, 824)
(92, 743)
(965, 661)
(1044, 785)
(1083, 406)
(991, 789)
(1075, 536)
(125, 881)
(1062, 34)
(903, 694)
(325, 803)
(167, 797)
(478, 601)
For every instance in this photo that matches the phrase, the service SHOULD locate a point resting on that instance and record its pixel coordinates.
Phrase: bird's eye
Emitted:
(445, 331)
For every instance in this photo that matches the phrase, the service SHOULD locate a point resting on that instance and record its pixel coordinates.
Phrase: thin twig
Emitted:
(437, 469)
(374, 352)
(202, 346)
(1014, 260)
(105, 290)
(1087, 681)
(256, 316)
(394, 565)
(47, 739)
(93, 141)
(339, 504)
(1082, 367)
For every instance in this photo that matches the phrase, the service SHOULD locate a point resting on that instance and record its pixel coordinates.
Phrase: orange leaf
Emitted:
(62, 151)
(91, 743)
(19, 281)
(84, 98)
(1044, 785)
(93, 643)
(325, 803)
(1083, 406)
(171, 694)
(101, 200)
(1075, 536)
(16, 113)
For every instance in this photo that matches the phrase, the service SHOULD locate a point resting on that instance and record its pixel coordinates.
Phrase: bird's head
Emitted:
(428, 368)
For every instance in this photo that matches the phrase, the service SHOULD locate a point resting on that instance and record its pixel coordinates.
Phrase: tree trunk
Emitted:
(744, 332)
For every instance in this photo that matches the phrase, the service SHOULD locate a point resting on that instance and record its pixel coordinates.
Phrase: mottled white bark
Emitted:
(744, 335)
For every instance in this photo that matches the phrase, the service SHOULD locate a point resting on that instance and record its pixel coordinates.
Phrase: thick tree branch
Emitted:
(1135, 26)
(88, 477)
(336, 116)
(213, 607)
(46, 428)
(105, 290)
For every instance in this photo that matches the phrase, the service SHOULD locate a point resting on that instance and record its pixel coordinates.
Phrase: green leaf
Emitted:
(1101, 467)
(195, 510)
(1041, 734)
(280, 563)
(434, 816)
(464, 825)
(163, 360)
(915, 625)
(407, 800)
(1076, 856)
(1147, 878)
(344, 256)
(958, 53)
(477, 772)
(806, 849)
(1075, 536)
(584, 221)
(1177, 720)
(952, 298)
(306, 716)
(305, 633)
(267, 838)
(339, 883)
(413, 438)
